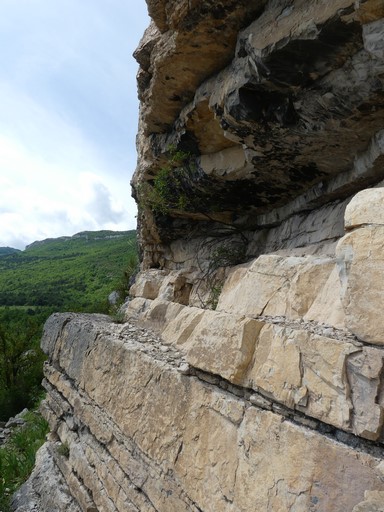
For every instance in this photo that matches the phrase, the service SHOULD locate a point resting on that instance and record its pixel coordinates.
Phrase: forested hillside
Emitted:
(63, 274)
(75, 273)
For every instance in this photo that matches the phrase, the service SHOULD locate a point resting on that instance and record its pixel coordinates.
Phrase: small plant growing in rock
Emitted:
(168, 190)
(63, 450)
(117, 314)
(227, 256)
(122, 290)
(17, 455)
(221, 256)
(214, 294)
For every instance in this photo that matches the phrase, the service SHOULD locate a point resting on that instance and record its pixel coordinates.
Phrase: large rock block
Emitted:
(366, 207)
(147, 284)
(223, 344)
(327, 307)
(288, 474)
(180, 328)
(152, 314)
(144, 437)
(304, 371)
(334, 379)
(364, 372)
(274, 285)
(159, 313)
(175, 287)
(361, 269)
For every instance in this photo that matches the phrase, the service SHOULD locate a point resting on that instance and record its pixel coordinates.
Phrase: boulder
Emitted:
(222, 344)
(274, 285)
(366, 207)
(361, 270)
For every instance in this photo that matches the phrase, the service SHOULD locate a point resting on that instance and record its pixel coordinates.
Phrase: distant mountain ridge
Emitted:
(87, 235)
(66, 273)
(5, 251)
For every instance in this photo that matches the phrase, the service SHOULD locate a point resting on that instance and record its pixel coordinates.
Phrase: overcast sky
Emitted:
(68, 116)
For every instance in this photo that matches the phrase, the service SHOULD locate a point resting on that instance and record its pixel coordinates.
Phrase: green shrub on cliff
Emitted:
(21, 360)
(169, 188)
(17, 456)
(63, 274)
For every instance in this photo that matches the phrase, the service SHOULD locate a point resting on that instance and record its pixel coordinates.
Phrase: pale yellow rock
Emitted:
(209, 471)
(374, 495)
(276, 366)
(307, 284)
(159, 313)
(135, 308)
(275, 285)
(222, 344)
(180, 440)
(361, 270)
(248, 290)
(304, 371)
(175, 287)
(374, 502)
(228, 164)
(327, 307)
(364, 371)
(366, 207)
(285, 461)
(147, 284)
(179, 329)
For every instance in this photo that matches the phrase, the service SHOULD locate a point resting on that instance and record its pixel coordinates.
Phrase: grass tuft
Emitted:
(17, 456)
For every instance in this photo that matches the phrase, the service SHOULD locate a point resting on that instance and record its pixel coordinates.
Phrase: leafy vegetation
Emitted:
(63, 274)
(170, 187)
(21, 360)
(17, 457)
(8, 250)
(221, 255)
(70, 273)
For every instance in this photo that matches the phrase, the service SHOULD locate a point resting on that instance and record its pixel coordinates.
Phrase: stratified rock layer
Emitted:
(144, 435)
(257, 405)
(279, 105)
(249, 373)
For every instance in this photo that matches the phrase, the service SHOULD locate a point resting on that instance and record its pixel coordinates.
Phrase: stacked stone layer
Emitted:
(267, 402)
(249, 372)
(134, 445)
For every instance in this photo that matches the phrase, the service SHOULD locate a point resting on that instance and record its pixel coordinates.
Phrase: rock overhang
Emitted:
(283, 118)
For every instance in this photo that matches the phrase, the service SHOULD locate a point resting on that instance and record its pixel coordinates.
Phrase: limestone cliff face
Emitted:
(248, 375)
(279, 106)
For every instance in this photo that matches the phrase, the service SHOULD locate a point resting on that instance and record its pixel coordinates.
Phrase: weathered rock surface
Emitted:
(133, 446)
(361, 267)
(286, 286)
(46, 489)
(249, 372)
(277, 121)
(259, 404)
(366, 208)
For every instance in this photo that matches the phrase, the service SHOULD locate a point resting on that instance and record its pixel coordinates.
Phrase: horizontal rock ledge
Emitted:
(129, 440)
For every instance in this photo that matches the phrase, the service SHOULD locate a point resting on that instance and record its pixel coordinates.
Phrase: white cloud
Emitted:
(40, 199)
(68, 117)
